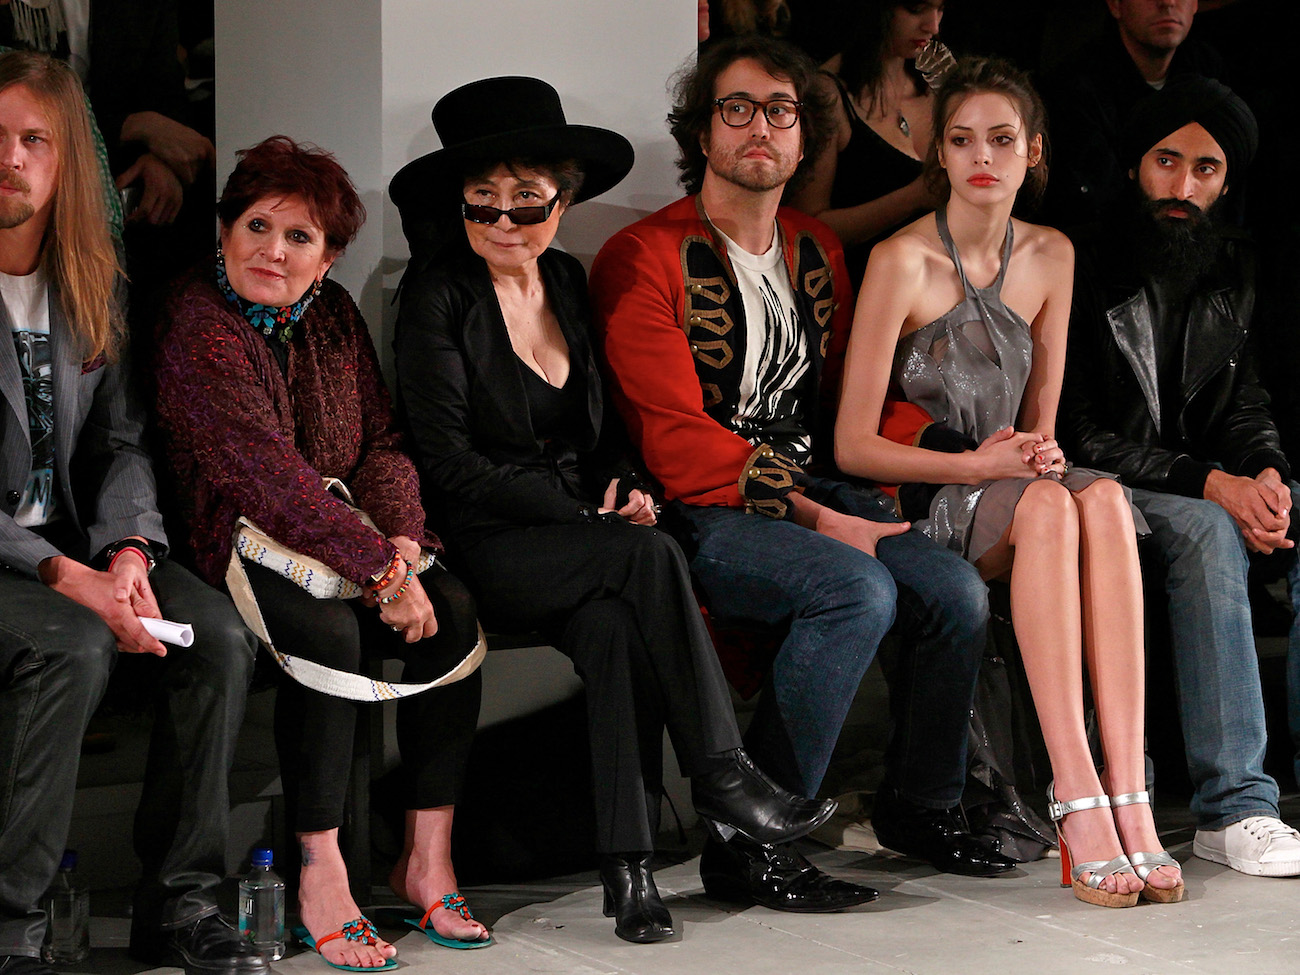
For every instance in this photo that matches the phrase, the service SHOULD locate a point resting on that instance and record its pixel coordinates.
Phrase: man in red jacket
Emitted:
(725, 320)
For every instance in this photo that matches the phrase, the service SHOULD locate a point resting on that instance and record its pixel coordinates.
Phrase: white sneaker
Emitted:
(1262, 846)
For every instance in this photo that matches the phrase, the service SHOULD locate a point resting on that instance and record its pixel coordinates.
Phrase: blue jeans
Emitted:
(838, 603)
(1220, 702)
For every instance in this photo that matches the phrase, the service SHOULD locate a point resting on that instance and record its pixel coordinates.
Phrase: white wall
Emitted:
(360, 77)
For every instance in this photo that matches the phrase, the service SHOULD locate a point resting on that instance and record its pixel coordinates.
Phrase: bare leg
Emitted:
(1112, 621)
(325, 903)
(424, 873)
(1047, 616)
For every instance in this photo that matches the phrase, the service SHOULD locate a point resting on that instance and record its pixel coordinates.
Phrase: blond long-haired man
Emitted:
(83, 558)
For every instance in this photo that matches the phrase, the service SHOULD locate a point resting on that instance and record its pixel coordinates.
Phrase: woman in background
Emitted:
(867, 181)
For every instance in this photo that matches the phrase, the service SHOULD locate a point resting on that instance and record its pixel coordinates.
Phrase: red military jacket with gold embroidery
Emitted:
(673, 326)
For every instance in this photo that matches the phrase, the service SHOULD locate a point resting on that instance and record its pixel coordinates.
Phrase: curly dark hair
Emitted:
(694, 92)
(976, 75)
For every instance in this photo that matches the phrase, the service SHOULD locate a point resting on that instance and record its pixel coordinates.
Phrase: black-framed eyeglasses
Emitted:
(520, 216)
(781, 113)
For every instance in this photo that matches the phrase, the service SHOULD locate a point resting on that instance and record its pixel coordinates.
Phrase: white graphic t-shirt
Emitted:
(771, 405)
(27, 299)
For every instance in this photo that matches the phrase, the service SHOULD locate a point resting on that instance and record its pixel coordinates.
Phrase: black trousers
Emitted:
(616, 599)
(314, 732)
(55, 658)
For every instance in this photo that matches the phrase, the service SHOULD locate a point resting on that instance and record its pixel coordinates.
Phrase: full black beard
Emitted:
(1175, 251)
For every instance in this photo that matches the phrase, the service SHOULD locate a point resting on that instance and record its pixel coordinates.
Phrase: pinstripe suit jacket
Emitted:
(102, 472)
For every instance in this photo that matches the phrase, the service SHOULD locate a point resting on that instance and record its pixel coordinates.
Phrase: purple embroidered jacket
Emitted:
(243, 441)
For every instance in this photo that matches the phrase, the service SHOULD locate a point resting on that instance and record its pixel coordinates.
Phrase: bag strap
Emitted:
(305, 572)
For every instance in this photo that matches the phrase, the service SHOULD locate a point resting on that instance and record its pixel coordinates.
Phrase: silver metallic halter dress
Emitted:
(968, 369)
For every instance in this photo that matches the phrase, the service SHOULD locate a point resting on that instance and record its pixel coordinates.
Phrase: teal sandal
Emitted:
(359, 930)
(455, 902)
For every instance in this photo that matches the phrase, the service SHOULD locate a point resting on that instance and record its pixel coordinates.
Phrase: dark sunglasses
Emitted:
(520, 216)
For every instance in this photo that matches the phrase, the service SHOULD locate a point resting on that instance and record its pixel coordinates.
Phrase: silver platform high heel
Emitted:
(1144, 864)
(1089, 891)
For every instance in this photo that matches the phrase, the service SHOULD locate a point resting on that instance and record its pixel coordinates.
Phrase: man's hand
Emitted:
(161, 192)
(182, 150)
(862, 533)
(119, 597)
(1261, 506)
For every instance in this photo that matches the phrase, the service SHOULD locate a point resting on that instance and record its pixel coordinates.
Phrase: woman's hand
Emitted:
(1045, 457)
(411, 613)
(408, 547)
(640, 508)
(1008, 453)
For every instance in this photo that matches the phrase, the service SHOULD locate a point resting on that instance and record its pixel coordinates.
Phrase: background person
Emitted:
(866, 181)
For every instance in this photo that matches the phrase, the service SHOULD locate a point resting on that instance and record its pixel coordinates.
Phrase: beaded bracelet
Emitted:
(388, 575)
(393, 597)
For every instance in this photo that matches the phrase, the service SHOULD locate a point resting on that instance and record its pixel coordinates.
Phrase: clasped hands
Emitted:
(120, 596)
(410, 614)
(1260, 505)
(640, 508)
(1012, 453)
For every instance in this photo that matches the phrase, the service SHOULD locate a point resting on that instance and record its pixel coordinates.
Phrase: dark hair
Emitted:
(974, 76)
(278, 166)
(566, 174)
(693, 95)
(862, 58)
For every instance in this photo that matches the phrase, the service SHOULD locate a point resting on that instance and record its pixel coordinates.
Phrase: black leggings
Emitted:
(616, 599)
(314, 732)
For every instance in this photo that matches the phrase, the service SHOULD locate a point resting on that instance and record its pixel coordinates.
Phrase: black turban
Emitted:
(1190, 98)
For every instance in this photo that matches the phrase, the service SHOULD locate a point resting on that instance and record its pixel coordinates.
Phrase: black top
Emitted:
(868, 168)
(491, 454)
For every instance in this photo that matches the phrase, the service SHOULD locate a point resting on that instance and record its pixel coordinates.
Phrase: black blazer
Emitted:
(462, 388)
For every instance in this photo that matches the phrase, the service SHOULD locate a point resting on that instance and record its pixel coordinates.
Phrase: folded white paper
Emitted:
(180, 634)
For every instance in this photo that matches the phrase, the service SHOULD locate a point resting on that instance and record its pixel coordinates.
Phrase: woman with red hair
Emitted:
(268, 383)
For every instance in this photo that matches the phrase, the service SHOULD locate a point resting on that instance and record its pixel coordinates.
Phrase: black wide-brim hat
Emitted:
(508, 118)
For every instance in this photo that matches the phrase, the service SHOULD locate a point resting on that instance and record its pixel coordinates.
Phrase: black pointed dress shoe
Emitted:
(208, 946)
(632, 899)
(938, 836)
(779, 877)
(739, 795)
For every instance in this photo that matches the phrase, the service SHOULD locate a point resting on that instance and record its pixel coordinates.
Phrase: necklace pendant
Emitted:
(903, 126)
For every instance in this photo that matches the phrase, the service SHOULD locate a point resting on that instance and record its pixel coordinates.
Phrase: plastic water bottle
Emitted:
(67, 908)
(261, 907)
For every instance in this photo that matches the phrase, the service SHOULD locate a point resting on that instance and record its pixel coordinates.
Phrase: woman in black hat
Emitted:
(550, 526)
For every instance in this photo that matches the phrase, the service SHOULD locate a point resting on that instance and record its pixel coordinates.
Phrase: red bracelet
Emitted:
(393, 597)
(389, 574)
(129, 548)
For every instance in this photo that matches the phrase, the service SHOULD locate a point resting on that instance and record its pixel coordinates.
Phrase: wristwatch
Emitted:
(144, 548)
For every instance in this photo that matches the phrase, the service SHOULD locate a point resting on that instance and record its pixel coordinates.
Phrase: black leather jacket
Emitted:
(1111, 416)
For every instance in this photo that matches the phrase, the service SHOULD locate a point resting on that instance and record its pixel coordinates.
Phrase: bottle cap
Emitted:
(69, 861)
(262, 857)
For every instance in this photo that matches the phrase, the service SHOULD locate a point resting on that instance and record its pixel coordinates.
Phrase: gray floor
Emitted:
(924, 922)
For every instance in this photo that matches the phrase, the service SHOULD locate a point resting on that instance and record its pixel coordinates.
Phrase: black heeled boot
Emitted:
(739, 795)
(632, 899)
